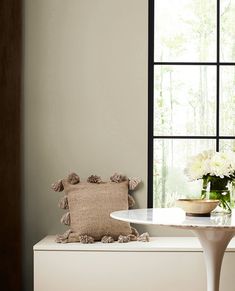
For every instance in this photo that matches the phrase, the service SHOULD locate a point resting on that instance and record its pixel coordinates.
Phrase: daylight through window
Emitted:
(191, 90)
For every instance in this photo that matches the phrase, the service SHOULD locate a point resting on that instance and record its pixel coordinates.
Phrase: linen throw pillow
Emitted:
(89, 205)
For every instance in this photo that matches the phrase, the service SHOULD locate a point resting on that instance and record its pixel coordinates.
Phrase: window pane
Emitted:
(227, 28)
(170, 158)
(185, 30)
(227, 101)
(184, 100)
(227, 145)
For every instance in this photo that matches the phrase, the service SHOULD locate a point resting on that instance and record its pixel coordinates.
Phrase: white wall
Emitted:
(85, 102)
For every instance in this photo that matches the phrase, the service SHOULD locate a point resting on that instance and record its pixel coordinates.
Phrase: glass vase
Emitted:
(219, 189)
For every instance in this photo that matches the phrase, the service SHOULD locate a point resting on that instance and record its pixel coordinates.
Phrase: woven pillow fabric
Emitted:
(90, 206)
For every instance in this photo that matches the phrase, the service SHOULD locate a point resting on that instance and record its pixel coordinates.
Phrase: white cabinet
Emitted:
(164, 264)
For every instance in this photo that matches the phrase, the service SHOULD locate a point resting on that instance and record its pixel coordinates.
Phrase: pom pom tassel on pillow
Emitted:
(63, 203)
(117, 178)
(107, 239)
(131, 201)
(133, 183)
(63, 238)
(57, 186)
(94, 179)
(73, 178)
(144, 237)
(65, 219)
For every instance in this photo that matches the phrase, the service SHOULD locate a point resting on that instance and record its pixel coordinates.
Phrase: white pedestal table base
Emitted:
(214, 243)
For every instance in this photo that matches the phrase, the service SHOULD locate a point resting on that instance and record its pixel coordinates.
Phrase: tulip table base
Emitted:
(214, 243)
(214, 233)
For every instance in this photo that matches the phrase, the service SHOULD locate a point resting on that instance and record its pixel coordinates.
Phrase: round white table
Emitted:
(214, 233)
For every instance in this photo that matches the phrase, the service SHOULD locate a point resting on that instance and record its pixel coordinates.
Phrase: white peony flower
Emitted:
(198, 166)
(207, 154)
(220, 165)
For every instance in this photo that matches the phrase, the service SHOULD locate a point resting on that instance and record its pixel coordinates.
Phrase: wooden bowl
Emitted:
(197, 207)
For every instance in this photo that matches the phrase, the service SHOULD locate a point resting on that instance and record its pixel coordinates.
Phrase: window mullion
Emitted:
(150, 101)
(218, 77)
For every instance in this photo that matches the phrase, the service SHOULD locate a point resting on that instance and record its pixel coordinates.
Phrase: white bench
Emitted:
(163, 264)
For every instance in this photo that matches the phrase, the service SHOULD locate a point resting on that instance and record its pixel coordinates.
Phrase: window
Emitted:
(191, 90)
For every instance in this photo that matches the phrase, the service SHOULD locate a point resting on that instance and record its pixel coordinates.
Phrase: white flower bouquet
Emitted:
(216, 169)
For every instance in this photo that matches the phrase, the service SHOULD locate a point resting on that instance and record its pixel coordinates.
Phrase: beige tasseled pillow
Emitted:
(89, 205)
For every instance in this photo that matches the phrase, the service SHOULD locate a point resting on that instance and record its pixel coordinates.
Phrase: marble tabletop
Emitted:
(175, 217)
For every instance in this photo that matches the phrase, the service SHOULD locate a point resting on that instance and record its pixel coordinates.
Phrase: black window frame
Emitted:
(151, 65)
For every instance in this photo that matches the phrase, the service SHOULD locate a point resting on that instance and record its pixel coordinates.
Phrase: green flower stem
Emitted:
(218, 190)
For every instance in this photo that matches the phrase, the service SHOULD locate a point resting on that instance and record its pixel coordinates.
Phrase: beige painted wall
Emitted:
(85, 102)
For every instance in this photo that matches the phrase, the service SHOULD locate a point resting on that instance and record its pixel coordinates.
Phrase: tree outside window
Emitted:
(192, 89)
